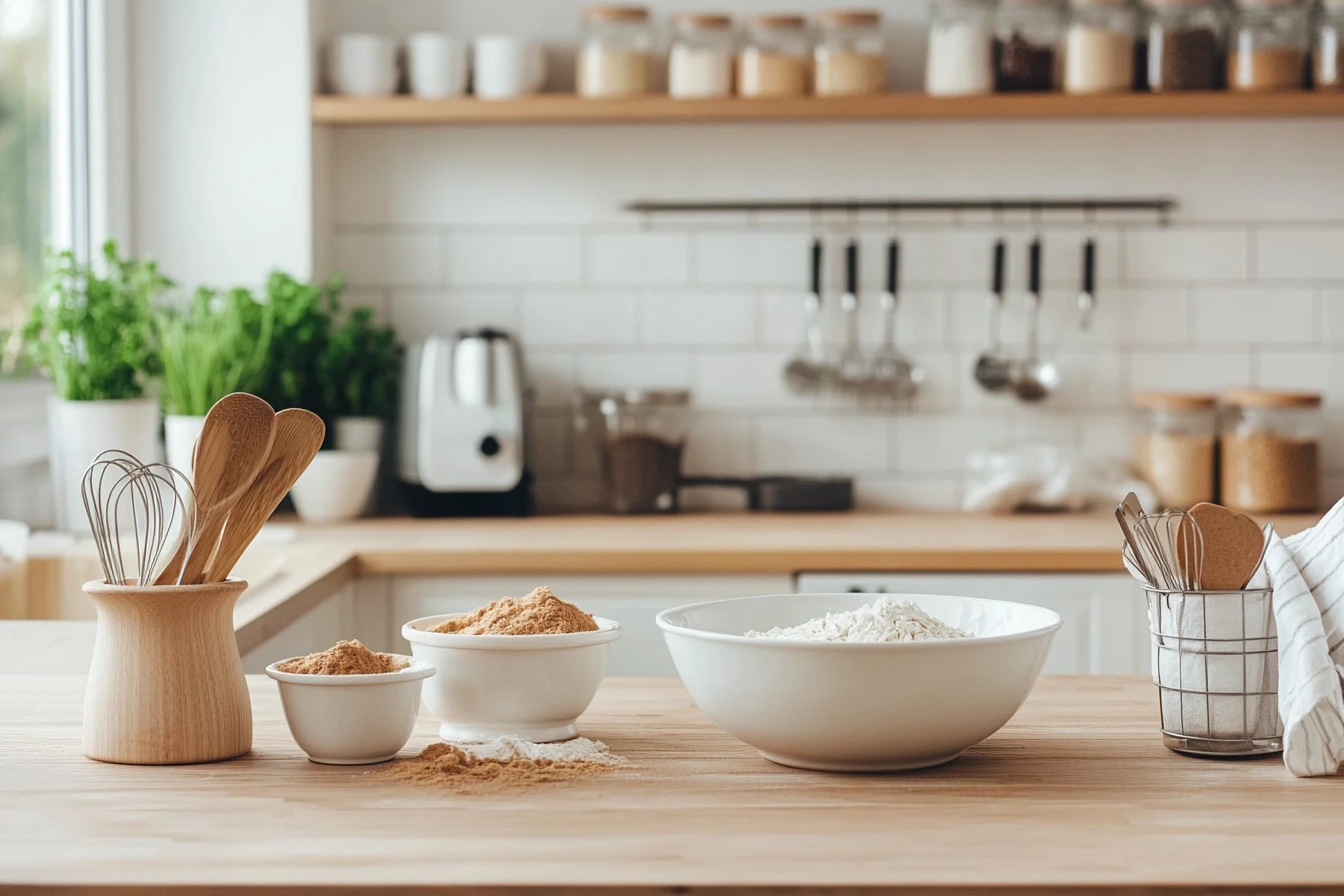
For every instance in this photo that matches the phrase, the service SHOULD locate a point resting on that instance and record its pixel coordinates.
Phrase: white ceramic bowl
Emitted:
(533, 687)
(858, 707)
(351, 719)
(336, 486)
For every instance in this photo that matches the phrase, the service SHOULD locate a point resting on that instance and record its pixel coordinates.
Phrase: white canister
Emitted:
(436, 65)
(179, 439)
(80, 431)
(363, 65)
(505, 66)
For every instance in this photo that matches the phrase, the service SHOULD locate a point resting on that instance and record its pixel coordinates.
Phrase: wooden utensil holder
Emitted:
(166, 686)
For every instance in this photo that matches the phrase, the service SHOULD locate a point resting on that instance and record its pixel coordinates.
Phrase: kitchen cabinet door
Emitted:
(319, 628)
(633, 601)
(1105, 628)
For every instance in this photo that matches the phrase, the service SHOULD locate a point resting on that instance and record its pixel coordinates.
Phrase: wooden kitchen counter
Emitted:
(1075, 795)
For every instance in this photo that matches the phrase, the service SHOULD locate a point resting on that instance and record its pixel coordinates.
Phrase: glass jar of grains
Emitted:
(616, 55)
(1026, 45)
(960, 58)
(1099, 47)
(1271, 450)
(1266, 48)
(1327, 48)
(775, 60)
(1184, 45)
(700, 62)
(850, 54)
(1174, 451)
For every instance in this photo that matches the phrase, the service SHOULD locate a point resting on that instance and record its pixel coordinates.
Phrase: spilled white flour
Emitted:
(506, 749)
(885, 619)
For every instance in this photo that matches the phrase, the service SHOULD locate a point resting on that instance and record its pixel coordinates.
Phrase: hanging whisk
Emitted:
(155, 502)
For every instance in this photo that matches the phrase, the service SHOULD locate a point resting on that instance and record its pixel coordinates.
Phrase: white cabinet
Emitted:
(1105, 628)
(633, 601)
(330, 621)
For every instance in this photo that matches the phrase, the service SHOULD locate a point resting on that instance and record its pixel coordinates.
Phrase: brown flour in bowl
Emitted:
(345, 658)
(539, 613)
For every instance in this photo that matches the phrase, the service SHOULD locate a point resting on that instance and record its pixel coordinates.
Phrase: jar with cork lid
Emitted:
(1176, 445)
(1026, 45)
(1267, 46)
(960, 57)
(776, 58)
(616, 53)
(1327, 46)
(1099, 47)
(1184, 45)
(850, 56)
(1271, 450)
(700, 61)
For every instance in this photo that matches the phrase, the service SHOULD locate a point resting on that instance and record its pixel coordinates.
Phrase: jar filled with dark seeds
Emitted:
(1184, 45)
(1026, 45)
(639, 435)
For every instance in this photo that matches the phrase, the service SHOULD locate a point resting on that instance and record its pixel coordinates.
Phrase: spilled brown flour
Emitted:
(503, 762)
(539, 613)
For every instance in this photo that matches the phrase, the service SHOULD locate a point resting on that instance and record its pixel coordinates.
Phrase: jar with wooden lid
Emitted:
(700, 61)
(1327, 46)
(850, 56)
(1267, 46)
(1271, 450)
(616, 53)
(776, 58)
(1176, 446)
(960, 56)
(1184, 45)
(1099, 47)
(1026, 45)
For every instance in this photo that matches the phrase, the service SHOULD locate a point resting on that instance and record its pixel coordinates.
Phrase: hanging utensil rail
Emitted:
(1162, 206)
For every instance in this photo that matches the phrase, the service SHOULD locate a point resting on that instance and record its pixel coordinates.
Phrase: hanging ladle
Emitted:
(1034, 379)
(993, 369)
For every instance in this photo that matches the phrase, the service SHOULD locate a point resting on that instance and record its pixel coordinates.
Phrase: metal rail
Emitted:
(1162, 206)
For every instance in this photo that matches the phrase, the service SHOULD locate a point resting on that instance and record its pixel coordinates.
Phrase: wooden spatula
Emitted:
(233, 444)
(1233, 546)
(298, 436)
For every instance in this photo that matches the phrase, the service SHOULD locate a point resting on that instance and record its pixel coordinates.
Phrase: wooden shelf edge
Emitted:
(570, 109)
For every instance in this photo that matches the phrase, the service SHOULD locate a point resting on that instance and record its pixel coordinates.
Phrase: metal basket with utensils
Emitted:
(1216, 667)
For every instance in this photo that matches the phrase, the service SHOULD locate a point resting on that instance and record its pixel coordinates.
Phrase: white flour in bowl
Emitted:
(885, 619)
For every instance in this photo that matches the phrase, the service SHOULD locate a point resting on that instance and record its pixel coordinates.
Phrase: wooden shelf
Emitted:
(570, 109)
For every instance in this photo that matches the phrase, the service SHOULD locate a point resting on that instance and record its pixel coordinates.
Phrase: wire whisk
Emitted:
(155, 502)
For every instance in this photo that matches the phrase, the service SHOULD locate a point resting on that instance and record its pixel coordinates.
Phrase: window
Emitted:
(25, 151)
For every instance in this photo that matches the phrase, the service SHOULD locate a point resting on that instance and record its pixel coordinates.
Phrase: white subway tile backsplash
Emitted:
(720, 445)
(1188, 370)
(907, 494)
(1254, 315)
(1303, 254)
(821, 444)
(1313, 370)
(752, 258)
(524, 259)
(940, 443)
(744, 380)
(691, 318)
(550, 375)
(579, 318)
(388, 259)
(634, 370)
(1178, 254)
(417, 313)
(921, 319)
(645, 258)
(548, 439)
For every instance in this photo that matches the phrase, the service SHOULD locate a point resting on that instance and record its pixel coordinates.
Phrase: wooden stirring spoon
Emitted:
(233, 444)
(298, 436)
(1233, 546)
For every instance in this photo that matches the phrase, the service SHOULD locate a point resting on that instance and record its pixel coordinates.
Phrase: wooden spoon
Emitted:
(232, 446)
(1233, 546)
(298, 436)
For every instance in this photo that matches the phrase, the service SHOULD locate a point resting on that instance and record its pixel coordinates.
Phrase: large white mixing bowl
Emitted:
(851, 706)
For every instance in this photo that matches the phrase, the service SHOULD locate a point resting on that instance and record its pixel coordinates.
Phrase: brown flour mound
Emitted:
(540, 613)
(444, 764)
(346, 658)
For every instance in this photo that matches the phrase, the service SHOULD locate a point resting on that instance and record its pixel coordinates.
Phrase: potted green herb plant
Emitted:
(92, 333)
(218, 343)
(301, 327)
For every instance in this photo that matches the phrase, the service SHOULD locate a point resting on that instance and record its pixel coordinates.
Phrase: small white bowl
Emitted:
(351, 719)
(533, 687)
(336, 486)
(852, 707)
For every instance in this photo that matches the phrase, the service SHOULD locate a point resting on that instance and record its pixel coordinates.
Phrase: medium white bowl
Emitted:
(351, 719)
(335, 486)
(858, 706)
(533, 687)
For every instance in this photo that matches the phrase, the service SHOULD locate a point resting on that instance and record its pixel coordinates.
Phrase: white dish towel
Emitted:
(1306, 572)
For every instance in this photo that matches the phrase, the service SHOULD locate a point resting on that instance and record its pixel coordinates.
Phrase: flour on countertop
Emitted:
(507, 749)
(885, 619)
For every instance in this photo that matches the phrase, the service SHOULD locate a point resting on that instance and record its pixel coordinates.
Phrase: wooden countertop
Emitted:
(1075, 795)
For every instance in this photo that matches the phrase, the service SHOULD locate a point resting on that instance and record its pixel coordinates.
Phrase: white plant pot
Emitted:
(336, 486)
(179, 439)
(80, 431)
(359, 434)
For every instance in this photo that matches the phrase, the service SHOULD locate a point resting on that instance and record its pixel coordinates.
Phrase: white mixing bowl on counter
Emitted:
(858, 707)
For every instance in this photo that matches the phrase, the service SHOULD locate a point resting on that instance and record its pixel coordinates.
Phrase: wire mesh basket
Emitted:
(1216, 667)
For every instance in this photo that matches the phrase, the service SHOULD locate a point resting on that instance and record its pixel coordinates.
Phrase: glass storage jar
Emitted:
(1184, 45)
(1271, 450)
(1099, 47)
(1026, 45)
(616, 52)
(1327, 47)
(775, 60)
(1266, 48)
(960, 58)
(1175, 448)
(640, 436)
(850, 56)
(700, 61)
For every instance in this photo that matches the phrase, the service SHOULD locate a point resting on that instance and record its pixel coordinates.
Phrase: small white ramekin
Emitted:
(533, 687)
(352, 719)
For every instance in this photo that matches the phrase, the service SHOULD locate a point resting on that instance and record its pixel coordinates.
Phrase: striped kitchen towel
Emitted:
(1306, 572)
